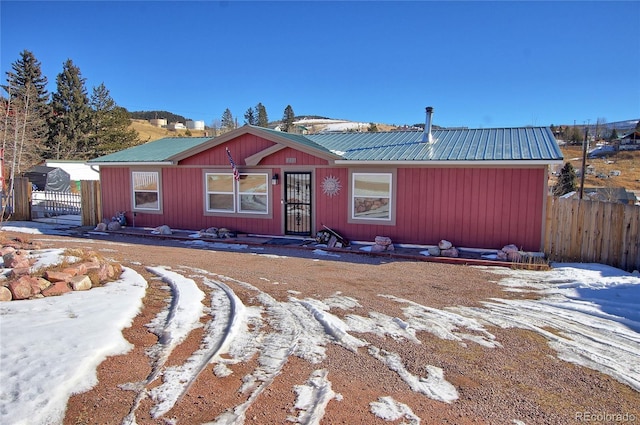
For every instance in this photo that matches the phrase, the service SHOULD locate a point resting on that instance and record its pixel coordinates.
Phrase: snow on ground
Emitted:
(51, 347)
(593, 308)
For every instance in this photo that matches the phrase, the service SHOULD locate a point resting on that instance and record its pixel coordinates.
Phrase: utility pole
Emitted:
(584, 160)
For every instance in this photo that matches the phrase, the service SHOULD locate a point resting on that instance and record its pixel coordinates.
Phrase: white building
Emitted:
(195, 125)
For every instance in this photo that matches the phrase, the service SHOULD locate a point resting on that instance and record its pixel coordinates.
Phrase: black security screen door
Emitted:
(297, 219)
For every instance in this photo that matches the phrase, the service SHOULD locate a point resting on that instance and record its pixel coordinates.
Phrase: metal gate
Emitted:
(297, 219)
(51, 204)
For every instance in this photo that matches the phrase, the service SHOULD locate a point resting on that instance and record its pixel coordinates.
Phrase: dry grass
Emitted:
(149, 133)
(627, 162)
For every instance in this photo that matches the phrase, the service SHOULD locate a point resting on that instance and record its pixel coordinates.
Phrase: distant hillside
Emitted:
(150, 115)
(149, 133)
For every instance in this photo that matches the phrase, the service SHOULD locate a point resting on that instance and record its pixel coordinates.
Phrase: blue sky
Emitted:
(479, 64)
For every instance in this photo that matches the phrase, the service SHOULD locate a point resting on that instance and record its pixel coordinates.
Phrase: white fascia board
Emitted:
(452, 163)
(128, 164)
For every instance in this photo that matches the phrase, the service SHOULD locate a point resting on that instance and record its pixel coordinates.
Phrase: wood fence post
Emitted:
(22, 199)
(91, 202)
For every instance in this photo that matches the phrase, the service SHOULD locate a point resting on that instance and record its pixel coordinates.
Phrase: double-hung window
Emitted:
(146, 190)
(371, 196)
(247, 195)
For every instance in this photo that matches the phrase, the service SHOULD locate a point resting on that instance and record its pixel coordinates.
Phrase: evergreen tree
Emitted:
(25, 112)
(227, 123)
(250, 117)
(566, 180)
(261, 112)
(110, 130)
(287, 119)
(372, 127)
(614, 135)
(71, 120)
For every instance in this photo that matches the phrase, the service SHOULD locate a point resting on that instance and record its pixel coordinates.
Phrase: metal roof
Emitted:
(161, 150)
(491, 144)
(447, 145)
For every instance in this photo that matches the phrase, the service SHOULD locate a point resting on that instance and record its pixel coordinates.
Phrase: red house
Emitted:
(481, 188)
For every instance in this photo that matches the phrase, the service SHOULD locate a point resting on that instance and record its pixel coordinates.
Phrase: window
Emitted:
(252, 193)
(248, 195)
(371, 196)
(146, 190)
(220, 196)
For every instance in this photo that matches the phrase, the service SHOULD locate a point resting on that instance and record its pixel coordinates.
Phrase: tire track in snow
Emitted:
(229, 320)
(583, 339)
(313, 398)
(172, 327)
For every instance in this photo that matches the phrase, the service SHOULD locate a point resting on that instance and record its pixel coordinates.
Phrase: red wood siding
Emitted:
(285, 156)
(471, 207)
(241, 147)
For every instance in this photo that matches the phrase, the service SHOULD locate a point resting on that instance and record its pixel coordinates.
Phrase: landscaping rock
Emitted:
(451, 252)
(38, 284)
(382, 244)
(434, 251)
(20, 289)
(162, 230)
(444, 244)
(16, 259)
(54, 276)
(5, 294)
(114, 225)
(57, 288)
(80, 283)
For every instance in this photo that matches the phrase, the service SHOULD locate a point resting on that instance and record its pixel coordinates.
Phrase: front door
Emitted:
(297, 202)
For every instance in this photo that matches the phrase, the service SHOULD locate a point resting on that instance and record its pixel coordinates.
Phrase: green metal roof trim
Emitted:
(491, 144)
(160, 150)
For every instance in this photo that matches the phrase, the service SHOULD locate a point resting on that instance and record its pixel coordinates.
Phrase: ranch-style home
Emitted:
(478, 188)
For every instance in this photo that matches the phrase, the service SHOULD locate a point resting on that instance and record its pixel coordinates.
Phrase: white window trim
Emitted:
(391, 220)
(135, 208)
(237, 212)
(207, 193)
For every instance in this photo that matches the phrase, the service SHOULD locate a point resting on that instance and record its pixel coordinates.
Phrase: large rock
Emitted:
(444, 244)
(114, 225)
(5, 294)
(54, 276)
(383, 240)
(162, 230)
(38, 284)
(80, 283)
(451, 252)
(20, 289)
(57, 288)
(16, 260)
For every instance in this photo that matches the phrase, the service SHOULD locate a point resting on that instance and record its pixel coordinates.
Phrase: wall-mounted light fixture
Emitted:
(274, 179)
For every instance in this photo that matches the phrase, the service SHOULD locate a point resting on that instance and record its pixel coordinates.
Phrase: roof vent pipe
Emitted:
(426, 135)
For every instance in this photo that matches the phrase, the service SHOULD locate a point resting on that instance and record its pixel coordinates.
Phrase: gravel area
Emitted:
(520, 380)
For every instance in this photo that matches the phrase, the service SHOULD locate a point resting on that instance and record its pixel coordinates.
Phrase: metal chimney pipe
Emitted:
(426, 135)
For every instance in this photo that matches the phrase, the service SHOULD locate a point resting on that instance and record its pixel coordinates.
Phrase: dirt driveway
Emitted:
(465, 372)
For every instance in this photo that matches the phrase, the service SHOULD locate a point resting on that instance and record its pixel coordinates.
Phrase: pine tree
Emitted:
(566, 181)
(250, 117)
(71, 120)
(287, 119)
(25, 112)
(227, 120)
(109, 125)
(261, 112)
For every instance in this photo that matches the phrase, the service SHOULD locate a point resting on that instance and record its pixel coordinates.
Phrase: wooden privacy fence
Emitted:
(593, 231)
(28, 205)
(91, 202)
